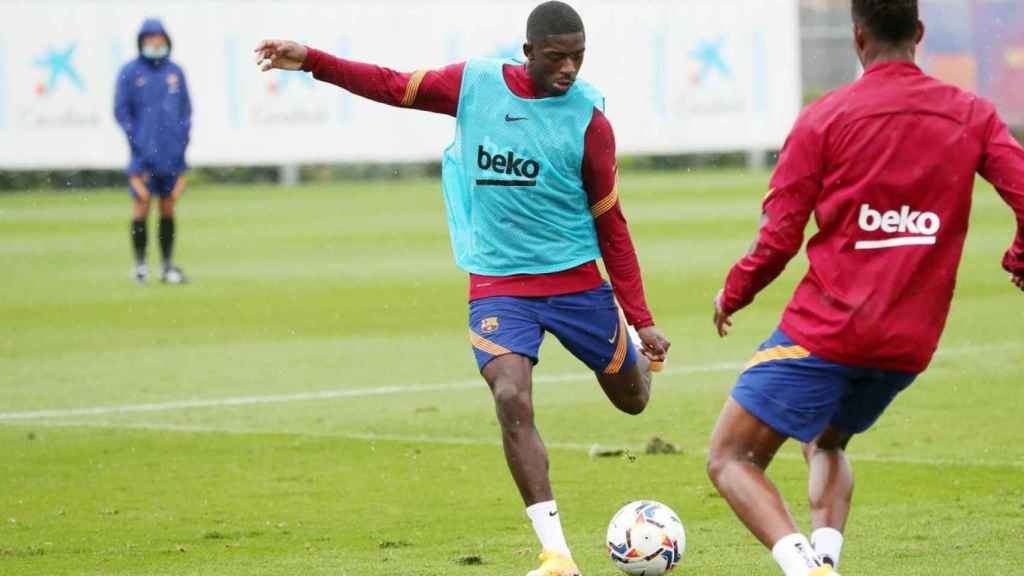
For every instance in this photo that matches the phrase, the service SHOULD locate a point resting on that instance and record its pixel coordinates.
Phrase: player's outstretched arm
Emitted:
(786, 210)
(786, 213)
(617, 251)
(429, 90)
(1003, 166)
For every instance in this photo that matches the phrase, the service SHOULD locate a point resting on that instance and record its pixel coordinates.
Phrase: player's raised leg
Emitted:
(591, 327)
(830, 492)
(630, 389)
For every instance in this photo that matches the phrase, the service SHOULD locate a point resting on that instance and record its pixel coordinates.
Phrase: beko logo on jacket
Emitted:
(921, 227)
(523, 171)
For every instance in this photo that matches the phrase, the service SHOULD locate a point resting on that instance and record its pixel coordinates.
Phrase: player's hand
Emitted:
(723, 322)
(1018, 280)
(280, 55)
(655, 343)
(179, 188)
(140, 188)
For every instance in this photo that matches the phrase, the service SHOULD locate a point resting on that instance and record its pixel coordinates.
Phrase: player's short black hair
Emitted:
(552, 18)
(891, 21)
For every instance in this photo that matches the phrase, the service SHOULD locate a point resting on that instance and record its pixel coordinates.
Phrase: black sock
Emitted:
(167, 239)
(139, 240)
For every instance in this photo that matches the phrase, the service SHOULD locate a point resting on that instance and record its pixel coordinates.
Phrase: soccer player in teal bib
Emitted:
(530, 189)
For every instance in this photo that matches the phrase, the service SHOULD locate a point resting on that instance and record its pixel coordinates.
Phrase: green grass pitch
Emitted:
(309, 405)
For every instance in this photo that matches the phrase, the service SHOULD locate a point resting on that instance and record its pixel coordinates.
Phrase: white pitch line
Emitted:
(321, 395)
(496, 443)
(385, 391)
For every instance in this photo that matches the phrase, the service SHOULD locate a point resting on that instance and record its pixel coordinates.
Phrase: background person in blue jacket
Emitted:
(153, 108)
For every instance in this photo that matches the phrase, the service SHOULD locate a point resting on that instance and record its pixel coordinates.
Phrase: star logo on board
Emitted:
(59, 65)
(710, 61)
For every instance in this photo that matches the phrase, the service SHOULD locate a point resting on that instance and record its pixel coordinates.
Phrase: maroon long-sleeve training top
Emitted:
(438, 91)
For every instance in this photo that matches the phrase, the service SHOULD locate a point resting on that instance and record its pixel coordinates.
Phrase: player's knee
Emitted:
(514, 404)
(715, 466)
(637, 402)
(629, 392)
(720, 460)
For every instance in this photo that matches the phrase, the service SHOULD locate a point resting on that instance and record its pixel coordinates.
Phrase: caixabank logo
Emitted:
(708, 62)
(58, 65)
(699, 75)
(712, 78)
(272, 100)
(59, 97)
(288, 98)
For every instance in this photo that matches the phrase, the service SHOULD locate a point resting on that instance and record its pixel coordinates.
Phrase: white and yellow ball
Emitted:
(646, 538)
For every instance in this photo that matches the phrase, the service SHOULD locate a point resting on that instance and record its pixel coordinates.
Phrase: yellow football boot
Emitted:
(825, 570)
(555, 564)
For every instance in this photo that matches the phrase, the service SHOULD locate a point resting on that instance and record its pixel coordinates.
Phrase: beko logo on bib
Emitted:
(523, 170)
(922, 227)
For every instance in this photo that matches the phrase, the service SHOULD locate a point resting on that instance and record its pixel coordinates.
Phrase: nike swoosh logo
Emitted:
(553, 514)
(614, 336)
(509, 118)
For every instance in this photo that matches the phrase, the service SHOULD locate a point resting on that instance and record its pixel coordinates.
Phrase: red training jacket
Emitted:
(887, 167)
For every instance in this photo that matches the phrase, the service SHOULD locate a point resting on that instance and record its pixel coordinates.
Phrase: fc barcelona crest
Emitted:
(489, 325)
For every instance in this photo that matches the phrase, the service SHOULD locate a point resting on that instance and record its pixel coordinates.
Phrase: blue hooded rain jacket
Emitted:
(152, 106)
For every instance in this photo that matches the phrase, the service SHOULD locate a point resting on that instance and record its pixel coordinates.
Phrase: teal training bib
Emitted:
(512, 178)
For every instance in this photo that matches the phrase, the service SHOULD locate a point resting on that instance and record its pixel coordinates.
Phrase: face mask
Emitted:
(155, 52)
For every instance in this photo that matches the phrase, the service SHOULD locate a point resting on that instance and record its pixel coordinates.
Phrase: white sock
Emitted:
(548, 526)
(795, 555)
(828, 543)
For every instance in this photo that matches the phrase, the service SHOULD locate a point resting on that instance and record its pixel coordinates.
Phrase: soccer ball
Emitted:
(646, 539)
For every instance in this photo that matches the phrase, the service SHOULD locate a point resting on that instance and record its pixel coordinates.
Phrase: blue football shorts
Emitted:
(799, 395)
(589, 324)
(159, 185)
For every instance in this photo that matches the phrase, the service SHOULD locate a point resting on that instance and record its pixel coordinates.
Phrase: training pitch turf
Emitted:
(309, 405)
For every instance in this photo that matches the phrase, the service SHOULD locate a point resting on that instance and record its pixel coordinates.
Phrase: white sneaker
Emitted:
(141, 273)
(173, 275)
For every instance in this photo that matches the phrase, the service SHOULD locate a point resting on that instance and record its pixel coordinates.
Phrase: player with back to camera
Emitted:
(887, 167)
(152, 105)
(530, 187)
